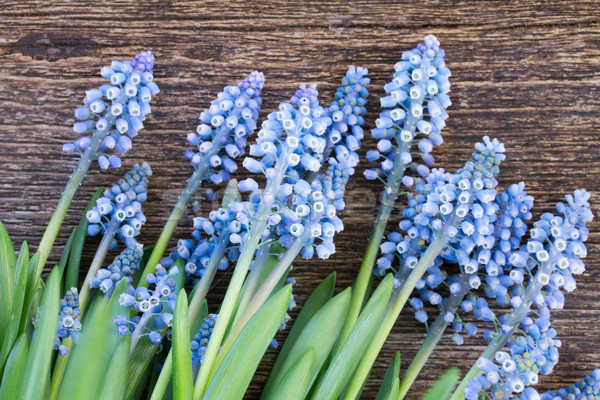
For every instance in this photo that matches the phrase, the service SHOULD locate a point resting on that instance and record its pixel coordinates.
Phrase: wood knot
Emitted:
(54, 46)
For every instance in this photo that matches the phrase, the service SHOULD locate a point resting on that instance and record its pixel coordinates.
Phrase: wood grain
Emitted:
(524, 72)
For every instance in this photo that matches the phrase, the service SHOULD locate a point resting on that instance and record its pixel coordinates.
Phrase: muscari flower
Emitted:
(587, 389)
(155, 305)
(547, 264)
(222, 135)
(120, 208)
(201, 338)
(68, 325)
(116, 111)
(123, 266)
(414, 114)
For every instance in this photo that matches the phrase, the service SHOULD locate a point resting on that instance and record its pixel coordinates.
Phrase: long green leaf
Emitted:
(89, 359)
(64, 257)
(37, 370)
(19, 283)
(321, 334)
(296, 380)
(116, 374)
(72, 274)
(183, 382)
(239, 364)
(33, 283)
(321, 295)
(15, 369)
(8, 261)
(391, 374)
(349, 354)
(444, 387)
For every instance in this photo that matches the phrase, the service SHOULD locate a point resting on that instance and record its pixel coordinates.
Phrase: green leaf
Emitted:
(15, 369)
(89, 359)
(444, 387)
(183, 382)
(64, 257)
(393, 390)
(320, 334)
(116, 373)
(8, 261)
(296, 380)
(321, 295)
(33, 282)
(239, 364)
(72, 274)
(19, 283)
(348, 355)
(388, 381)
(37, 369)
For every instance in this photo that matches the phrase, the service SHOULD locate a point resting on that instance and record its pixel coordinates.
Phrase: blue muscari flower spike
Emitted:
(123, 266)
(68, 324)
(415, 105)
(200, 340)
(550, 259)
(587, 389)
(220, 233)
(120, 208)
(116, 110)
(346, 112)
(151, 304)
(222, 135)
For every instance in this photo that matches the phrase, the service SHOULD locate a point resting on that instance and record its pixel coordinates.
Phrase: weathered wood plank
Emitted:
(525, 72)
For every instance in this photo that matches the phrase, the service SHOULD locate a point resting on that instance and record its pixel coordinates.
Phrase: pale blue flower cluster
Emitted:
(154, 304)
(116, 110)
(120, 208)
(415, 105)
(123, 266)
(68, 324)
(587, 389)
(222, 135)
(200, 340)
(346, 112)
(215, 239)
(546, 264)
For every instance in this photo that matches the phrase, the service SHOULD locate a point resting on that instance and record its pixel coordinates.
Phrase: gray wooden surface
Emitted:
(524, 72)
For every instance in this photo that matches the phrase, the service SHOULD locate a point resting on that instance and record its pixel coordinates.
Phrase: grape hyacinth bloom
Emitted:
(113, 115)
(587, 389)
(123, 266)
(200, 340)
(445, 210)
(219, 140)
(68, 324)
(118, 213)
(410, 124)
(486, 258)
(155, 305)
(550, 259)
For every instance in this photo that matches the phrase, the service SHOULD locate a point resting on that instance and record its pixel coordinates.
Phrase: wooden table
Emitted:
(525, 73)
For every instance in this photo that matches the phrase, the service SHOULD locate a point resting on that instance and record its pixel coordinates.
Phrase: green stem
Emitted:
(178, 211)
(253, 278)
(97, 262)
(265, 290)
(388, 201)
(433, 337)
(65, 201)
(239, 274)
(399, 300)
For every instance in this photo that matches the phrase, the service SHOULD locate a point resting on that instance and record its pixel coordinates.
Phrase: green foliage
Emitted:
(113, 387)
(349, 354)
(389, 388)
(235, 372)
(15, 369)
(8, 261)
(295, 382)
(183, 382)
(444, 387)
(39, 358)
